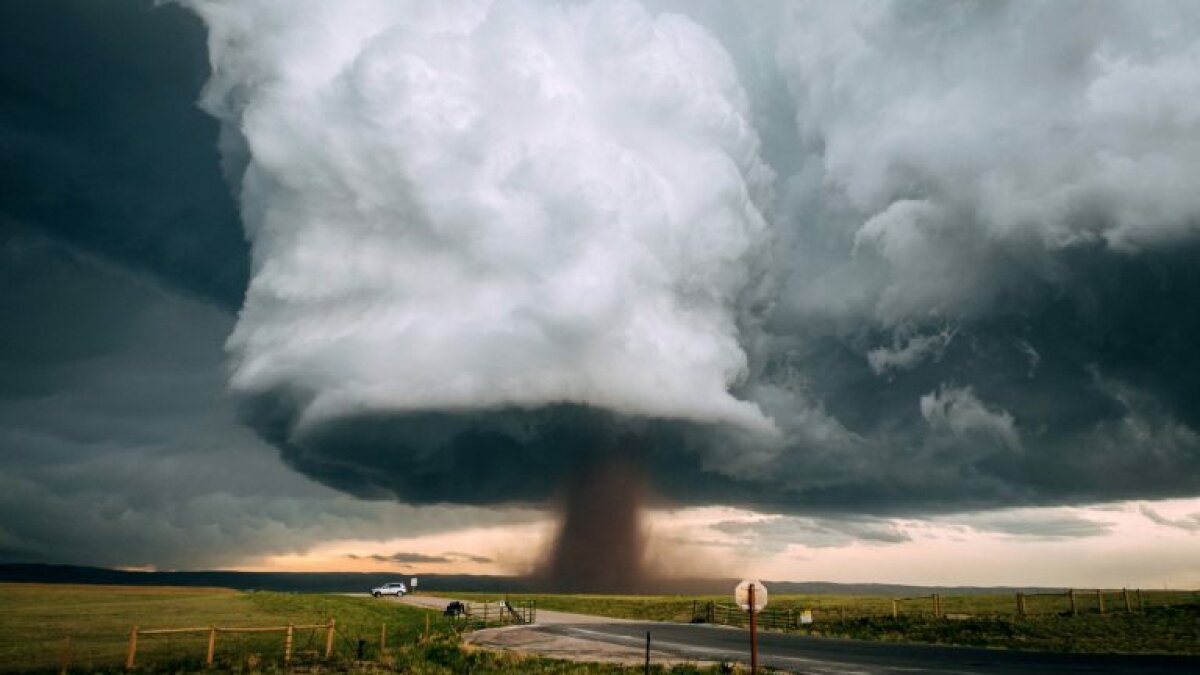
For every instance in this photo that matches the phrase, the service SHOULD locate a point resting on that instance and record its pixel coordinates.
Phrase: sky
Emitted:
(862, 291)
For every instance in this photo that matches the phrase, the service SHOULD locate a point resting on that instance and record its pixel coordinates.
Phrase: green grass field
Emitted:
(1170, 623)
(97, 619)
(36, 619)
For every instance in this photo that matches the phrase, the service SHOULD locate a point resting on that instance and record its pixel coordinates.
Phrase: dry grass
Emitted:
(37, 617)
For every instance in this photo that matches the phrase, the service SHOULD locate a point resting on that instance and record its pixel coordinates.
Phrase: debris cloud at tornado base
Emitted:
(804, 265)
(600, 544)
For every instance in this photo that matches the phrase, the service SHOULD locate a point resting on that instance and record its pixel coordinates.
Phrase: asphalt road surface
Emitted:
(823, 656)
(803, 654)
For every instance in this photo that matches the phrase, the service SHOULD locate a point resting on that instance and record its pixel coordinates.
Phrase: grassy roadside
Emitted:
(1170, 623)
(36, 618)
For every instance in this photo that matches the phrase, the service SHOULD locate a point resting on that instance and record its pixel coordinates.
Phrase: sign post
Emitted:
(753, 635)
(751, 596)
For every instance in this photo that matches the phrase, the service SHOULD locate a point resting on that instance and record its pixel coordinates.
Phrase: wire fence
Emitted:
(1069, 602)
(236, 649)
(253, 648)
(152, 641)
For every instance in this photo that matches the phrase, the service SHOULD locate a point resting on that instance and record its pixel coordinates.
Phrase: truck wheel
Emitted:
(376, 594)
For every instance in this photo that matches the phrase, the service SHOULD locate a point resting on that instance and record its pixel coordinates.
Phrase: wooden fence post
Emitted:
(383, 637)
(1071, 596)
(64, 658)
(1125, 595)
(287, 645)
(329, 638)
(895, 610)
(1141, 605)
(842, 614)
(212, 645)
(1100, 600)
(131, 657)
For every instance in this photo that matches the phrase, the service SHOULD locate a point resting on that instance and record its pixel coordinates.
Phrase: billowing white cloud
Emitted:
(473, 205)
(950, 139)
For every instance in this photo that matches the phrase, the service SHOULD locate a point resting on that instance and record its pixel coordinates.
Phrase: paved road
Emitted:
(803, 654)
(830, 656)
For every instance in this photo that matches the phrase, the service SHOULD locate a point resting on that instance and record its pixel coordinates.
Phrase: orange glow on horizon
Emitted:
(1130, 549)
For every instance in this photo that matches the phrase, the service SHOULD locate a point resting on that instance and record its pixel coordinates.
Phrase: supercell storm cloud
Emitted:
(488, 237)
(804, 257)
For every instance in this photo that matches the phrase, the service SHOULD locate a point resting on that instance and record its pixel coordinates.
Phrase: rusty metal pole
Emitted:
(753, 635)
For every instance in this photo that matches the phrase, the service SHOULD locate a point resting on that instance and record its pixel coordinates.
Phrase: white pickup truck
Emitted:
(397, 589)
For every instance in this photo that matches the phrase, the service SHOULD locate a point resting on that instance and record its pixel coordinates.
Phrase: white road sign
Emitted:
(414, 583)
(741, 595)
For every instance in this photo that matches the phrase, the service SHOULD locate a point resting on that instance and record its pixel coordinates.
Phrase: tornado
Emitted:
(600, 543)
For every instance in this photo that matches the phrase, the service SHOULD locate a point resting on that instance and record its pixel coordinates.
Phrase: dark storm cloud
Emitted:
(1035, 525)
(102, 144)
(776, 534)
(403, 558)
(469, 557)
(1190, 522)
(118, 445)
(948, 254)
(407, 558)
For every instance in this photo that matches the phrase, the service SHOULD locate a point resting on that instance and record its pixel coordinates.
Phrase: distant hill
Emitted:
(349, 582)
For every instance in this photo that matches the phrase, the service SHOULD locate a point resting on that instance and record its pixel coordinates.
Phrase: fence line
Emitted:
(1072, 596)
(143, 645)
(732, 615)
(1073, 601)
(288, 631)
(935, 600)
